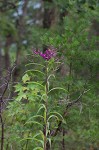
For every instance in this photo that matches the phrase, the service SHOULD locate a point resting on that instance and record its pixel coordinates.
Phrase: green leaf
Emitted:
(20, 96)
(18, 87)
(58, 88)
(36, 71)
(44, 97)
(33, 122)
(33, 138)
(57, 114)
(42, 135)
(51, 75)
(25, 78)
(38, 148)
(35, 64)
(42, 107)
(36, 83)
(36, 116)
(49, 139)
(53, 116)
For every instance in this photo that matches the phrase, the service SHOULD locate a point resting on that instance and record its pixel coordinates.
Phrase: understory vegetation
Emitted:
(49, 75)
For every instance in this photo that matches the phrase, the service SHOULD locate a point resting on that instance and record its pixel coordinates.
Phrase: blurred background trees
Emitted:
(71, 26)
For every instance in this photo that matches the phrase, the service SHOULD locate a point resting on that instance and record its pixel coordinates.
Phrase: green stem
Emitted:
(46, 111)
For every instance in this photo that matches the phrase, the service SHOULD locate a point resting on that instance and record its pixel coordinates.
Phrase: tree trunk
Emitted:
(7, 57)
(20, 25)
(48, 17)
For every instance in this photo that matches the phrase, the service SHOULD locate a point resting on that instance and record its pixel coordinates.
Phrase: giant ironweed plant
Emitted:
(50, 59)
(34, 109)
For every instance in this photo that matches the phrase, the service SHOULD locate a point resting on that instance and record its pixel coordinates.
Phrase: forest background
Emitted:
(55, 107)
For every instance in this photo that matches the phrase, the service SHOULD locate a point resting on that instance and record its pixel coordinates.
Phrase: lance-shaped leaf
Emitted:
(53, 116)
(38, 148)
(42, 106)
(33, 70)
(35, 64)
(58, 88)
(57, 114)
(33, 122)
(49, 140)
(36, 116)
(36, 83)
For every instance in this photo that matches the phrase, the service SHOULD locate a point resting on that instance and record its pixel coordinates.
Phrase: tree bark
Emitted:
(7, 57)
(48, 14)
(48, 17)
(20, 25)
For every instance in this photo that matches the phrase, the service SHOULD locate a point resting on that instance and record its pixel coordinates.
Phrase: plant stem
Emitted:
(46, 111)
(70, 74)
(2, 123)
(27, 142)
(63, 141)
(2, 131)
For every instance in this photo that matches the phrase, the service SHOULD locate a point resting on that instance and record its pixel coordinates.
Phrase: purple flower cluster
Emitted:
(47, 55)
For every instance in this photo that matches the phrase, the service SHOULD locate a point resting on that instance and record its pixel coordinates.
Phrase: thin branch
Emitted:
(1, 103)
(69, 105)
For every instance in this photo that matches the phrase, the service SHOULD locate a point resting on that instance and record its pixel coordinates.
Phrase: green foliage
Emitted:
(80, 51)
(48, 89)
(29, 111)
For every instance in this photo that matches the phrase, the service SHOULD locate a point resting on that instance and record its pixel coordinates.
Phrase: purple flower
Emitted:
(47, 55)
(36, 52)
